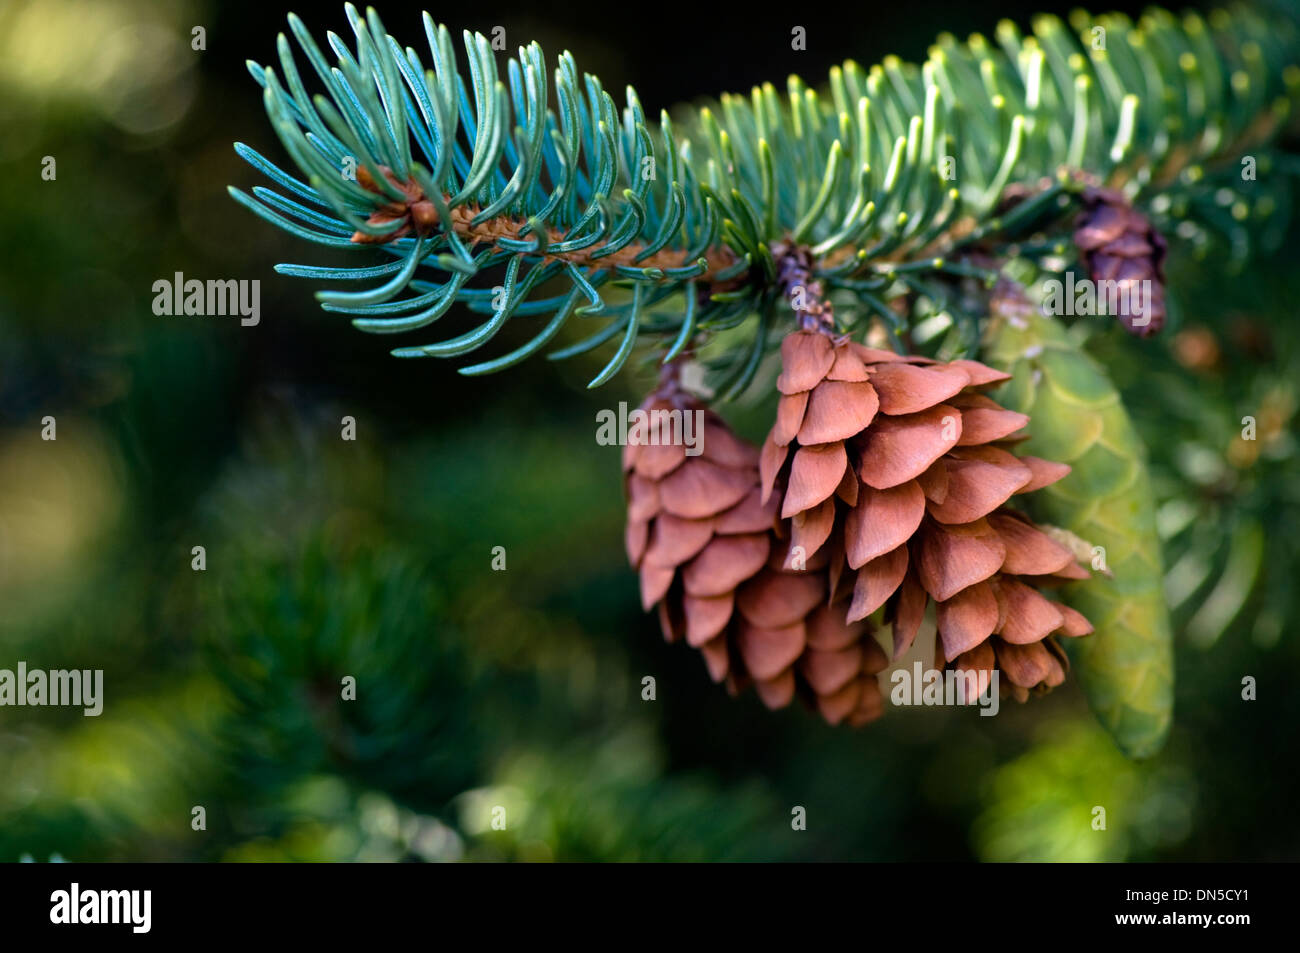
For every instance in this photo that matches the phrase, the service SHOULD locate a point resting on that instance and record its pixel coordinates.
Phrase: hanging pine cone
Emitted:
(695, 526)
(1118, 243)
(703, 542)
(899, 467)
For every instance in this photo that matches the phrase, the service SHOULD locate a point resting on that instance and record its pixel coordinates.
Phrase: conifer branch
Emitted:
(487, 192)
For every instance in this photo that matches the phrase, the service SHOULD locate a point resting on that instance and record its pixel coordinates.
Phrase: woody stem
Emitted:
(794, 275)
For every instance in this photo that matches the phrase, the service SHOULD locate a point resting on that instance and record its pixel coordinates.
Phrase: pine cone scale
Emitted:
(899, 449)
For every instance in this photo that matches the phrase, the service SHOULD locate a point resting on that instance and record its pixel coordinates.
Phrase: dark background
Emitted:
(520, 688)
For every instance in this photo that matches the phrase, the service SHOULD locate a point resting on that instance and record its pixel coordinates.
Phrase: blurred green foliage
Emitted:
(1126, 665)
(519, 689)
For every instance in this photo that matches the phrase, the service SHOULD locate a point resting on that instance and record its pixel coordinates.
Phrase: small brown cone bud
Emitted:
(1118, 244)
(416, 212)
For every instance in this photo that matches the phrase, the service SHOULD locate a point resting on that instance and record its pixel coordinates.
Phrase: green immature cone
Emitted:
(1126, 666)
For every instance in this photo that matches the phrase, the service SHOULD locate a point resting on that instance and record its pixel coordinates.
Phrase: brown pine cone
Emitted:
(899, 469)
(1117, 243)
(696, 529)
